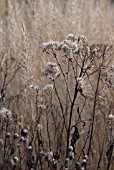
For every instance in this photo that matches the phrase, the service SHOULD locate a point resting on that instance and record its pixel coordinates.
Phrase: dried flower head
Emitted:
(85, 157)
(49, 45)
(84, 161)
(67, 159)
(70, 148)
(48, 88)
(70, 37)
(51, 70)
(42, 107)
(24, 132)
(8, 134)
(15, 158)
(5, 113)
(30, 148)
(22, 139)
(39, 126)
(49, 156)
(15, 136)
(110, 117)
(81, 40)
(34, 88)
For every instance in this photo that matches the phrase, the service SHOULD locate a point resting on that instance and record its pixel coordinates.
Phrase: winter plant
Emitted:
(70, 119)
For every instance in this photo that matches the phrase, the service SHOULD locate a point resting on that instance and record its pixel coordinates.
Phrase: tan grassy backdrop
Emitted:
(24, 26)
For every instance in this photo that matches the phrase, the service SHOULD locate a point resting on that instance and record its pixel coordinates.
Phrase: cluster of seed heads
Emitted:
(51, 70)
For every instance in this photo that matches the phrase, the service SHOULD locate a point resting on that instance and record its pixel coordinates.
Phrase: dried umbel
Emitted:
(51, 70)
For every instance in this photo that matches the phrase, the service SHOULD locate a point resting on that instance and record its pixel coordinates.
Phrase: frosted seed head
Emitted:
(70, 148)
(48, 88)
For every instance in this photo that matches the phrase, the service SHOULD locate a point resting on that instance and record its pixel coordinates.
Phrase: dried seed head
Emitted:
(110, 117)
(34, 88)
(5, 113)
(50, 156)
(71, 37)
(42, 107)
(24, 132)
(48, 45)
(71, 155)
(84, 161)
(39, 126)
(86, 157)
(67, 159)
(15, 136)
(48, 88)
(22, 139)
(30, 148)
(70, 148)
(8, 134)
(51, 70)
(15, 158)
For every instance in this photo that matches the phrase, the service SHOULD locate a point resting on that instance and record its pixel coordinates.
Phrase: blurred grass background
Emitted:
(26, 24)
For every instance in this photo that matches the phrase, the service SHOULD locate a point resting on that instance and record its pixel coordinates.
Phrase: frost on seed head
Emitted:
(5, 113)
(70, 148)
(41, 107)
(14, 160)
(49, 45)
(71, 44)
(39, 126)
(71, 37)
(51, 70)
(48, 88)
(34, 88)
(110, 117)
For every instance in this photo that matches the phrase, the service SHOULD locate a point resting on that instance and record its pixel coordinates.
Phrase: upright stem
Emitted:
(71, 110)
(94, 105)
